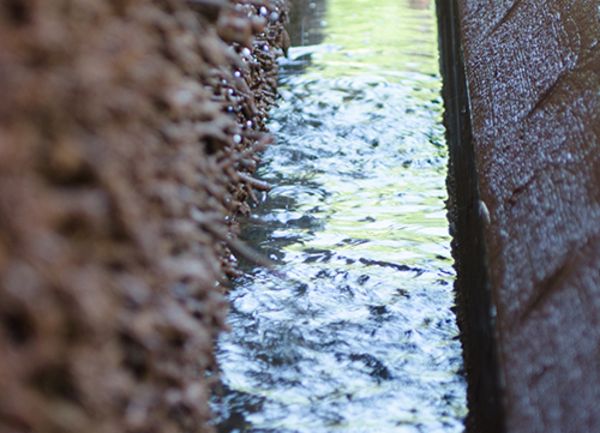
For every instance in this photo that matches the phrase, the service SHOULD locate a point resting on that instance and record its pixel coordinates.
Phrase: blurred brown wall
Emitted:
(129, 131)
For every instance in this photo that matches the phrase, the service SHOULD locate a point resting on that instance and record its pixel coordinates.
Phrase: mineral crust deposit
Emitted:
(129, 132)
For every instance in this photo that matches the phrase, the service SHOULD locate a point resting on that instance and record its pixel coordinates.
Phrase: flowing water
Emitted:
(355, 330)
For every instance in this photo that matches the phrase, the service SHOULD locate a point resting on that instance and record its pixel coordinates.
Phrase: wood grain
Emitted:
(533, 71)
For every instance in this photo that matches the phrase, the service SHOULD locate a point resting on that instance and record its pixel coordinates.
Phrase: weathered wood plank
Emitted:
(533, 69)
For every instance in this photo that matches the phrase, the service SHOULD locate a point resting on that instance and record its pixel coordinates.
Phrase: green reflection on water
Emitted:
(356, 220)
(394, 41)
(385, 37)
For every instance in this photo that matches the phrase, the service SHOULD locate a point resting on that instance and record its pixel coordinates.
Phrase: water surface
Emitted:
(355, 331)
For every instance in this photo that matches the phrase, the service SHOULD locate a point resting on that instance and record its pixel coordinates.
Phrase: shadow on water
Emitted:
(355, 331)
(307, 20)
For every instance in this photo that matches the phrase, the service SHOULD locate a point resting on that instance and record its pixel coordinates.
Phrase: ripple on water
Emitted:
(355, 330)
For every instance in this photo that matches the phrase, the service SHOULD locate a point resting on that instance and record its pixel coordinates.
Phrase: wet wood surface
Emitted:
(533, 69)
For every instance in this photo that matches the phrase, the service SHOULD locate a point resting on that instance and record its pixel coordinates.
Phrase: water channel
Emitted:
(355, 331)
